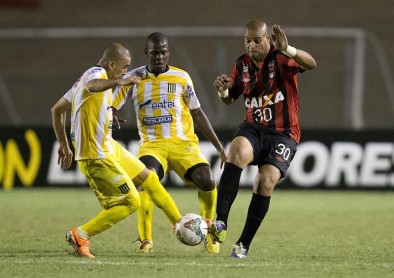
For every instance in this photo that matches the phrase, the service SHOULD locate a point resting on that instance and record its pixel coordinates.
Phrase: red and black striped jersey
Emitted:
(270, 91)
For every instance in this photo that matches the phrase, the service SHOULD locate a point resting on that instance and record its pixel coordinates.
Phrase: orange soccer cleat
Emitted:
(80, 245)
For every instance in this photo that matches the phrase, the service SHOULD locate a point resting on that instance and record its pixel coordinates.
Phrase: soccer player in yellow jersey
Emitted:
(166, 106)
(108, 167)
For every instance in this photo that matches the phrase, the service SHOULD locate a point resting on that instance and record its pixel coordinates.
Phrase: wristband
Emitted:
(223, 94)
(290, 51)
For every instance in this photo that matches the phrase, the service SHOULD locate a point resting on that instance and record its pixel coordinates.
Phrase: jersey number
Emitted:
(261, 115)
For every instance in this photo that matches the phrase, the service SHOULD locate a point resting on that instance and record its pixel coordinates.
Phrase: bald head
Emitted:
(257, 26)
(115, 60)
(257, 40)
(115, 52)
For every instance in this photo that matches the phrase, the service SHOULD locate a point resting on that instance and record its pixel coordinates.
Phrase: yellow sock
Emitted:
(207, 201)
(161, 198)
(145, 216)
(105, 220)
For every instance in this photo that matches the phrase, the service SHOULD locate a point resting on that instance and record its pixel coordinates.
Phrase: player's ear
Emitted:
(146, 51)
(111, 64)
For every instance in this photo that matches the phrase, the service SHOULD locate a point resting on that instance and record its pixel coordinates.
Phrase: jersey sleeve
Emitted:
(189, 96)
(288, 66)
(95, 73)
(120, 95)
(68, 96)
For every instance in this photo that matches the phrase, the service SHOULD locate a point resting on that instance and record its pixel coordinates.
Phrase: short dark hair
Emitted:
(155, 38)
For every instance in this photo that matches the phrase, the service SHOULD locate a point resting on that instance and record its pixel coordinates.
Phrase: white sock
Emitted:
(82, 234)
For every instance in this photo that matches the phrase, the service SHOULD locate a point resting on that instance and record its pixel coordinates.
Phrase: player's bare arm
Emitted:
(99, 85)
(58, 111)
(203, 124)
(279, 40)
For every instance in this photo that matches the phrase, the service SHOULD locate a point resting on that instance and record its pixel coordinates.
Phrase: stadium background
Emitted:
(37, 67)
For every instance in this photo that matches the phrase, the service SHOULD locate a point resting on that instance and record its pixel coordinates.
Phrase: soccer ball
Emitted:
(191, 229)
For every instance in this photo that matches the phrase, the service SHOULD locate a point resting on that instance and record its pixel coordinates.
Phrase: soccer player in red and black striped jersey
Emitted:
(266, 76)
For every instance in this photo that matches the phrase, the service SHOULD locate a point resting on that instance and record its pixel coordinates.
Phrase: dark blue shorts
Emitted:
(269, 146)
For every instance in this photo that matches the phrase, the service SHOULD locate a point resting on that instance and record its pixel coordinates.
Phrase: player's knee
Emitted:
(204, 182)
(132, 202)
(265, 185)
(202, 177)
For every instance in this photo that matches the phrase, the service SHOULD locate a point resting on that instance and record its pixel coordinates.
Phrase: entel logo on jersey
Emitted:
(159, 105)
(263, 101)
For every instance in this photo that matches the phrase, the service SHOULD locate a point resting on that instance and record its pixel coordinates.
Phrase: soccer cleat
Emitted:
(80, 245)
(146, 246)
(218, 230)
(211, 245)
(239, 251)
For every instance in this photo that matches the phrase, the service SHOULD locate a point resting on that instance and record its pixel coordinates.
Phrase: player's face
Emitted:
(119, 68)
(256, 44)
(158, 55)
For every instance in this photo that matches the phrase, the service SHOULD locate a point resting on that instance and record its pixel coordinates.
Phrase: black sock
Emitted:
(227, 190)
(258, 208)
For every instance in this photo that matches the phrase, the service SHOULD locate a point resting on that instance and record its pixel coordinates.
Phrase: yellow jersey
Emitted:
(161, 103)
(91, 117)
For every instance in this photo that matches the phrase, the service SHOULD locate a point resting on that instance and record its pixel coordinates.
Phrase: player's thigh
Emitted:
(280, 152)
(184, 158)
(109, 182)
(129, 162)
(159, 151)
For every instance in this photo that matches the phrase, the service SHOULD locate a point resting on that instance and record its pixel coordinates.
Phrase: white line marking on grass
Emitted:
(100, 262)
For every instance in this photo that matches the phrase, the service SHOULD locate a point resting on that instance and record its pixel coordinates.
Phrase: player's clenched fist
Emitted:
(222, 82)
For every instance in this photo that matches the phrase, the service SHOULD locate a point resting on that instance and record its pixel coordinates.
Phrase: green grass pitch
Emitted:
(305, 234)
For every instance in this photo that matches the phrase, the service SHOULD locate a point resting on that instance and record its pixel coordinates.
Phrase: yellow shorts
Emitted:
(176, 155)
(109, 182)
(130, 163)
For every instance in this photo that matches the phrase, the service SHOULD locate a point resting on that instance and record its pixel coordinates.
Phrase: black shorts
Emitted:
(269, 146)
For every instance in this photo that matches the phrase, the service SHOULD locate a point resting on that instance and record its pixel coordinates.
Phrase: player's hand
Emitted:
(223, 157)
(132, 79)
(278, 38)
(116, 122)
(65, 156)
(222, 83)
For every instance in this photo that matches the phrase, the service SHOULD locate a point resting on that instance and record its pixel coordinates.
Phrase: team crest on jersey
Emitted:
(271, 69)
(245, 69)
(171, 87)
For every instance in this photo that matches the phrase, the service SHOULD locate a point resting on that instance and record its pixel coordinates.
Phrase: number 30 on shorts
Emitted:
(282, 150)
